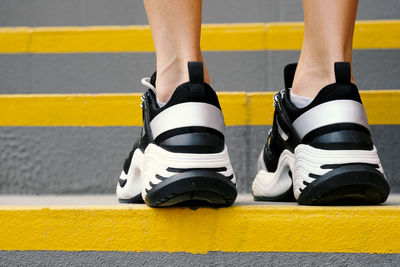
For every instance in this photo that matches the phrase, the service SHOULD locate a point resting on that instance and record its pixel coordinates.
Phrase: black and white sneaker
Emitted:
(323, 153)
(181, 156)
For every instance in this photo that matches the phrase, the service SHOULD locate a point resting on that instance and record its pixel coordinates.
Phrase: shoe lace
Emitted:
(146, 82)
(276, 99)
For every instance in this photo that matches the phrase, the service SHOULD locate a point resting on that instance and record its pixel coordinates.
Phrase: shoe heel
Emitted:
(197, 187)
(179, 178)
(329, 177)
(353, 184)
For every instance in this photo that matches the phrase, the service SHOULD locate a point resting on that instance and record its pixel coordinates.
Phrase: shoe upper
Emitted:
(190, 122)
(334, 120)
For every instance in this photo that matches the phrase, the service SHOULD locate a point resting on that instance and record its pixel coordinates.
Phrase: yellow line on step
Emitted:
(375, 34)
(239, 108)
(71, 110)
(244, 228)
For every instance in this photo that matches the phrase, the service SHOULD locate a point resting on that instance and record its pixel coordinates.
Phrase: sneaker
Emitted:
(321, 154)
(181, 156)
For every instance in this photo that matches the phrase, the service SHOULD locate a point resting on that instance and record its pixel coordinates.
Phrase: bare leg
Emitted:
(328, 38)
(175, 26)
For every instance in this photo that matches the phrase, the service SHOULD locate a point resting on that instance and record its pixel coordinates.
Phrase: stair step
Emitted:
(121, 72)
(128, 12)
(74, 223)
(46, 160)
(240, 108)
(374, 34)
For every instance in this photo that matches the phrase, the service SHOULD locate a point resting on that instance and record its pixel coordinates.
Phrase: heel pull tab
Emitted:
(343, 72)
(196, 78)
(288, 74)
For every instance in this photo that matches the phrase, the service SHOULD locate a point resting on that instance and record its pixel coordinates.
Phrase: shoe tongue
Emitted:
(153, 79)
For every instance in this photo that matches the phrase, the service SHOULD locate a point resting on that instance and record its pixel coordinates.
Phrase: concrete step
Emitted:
(370, 34)
(96, 230)
(48, 159)
(122, 72)
(239, 108)
(128, 12)
(46, 60)
(98, 223)
(76, 158)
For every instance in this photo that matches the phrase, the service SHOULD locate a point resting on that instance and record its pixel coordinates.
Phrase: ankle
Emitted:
(170, 76)
(309, 79)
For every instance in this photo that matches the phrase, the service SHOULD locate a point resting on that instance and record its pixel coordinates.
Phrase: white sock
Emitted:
(160, 104)
(299, 101)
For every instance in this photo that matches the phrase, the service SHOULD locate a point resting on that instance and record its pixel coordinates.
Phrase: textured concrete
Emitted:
(74, 201)
(125, 12)
(121, 72)
(73, 160)
(87, 160)
(284, 227)
(83, 258)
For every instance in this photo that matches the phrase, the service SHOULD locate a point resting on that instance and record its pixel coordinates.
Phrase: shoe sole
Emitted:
(326, 177)
(284, 197)
(133, 200)
(338, 177)
(198, 187)
(356, 184)
(169, 178)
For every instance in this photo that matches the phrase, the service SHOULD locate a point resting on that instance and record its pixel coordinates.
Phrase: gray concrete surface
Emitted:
(72, 201)
(121, 72)
(74, 160)
(125, 12)
(95, 258)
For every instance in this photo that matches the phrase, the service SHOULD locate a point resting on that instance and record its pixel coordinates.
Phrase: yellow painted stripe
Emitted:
(71, 110)
(236, 229)
(377, 34)
(382, 107)
(239, 108)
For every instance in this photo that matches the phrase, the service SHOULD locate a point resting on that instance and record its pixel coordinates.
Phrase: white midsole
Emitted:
(310, 159)
(133, 185)
(305, 160)
(156, 161)
(272, 184)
